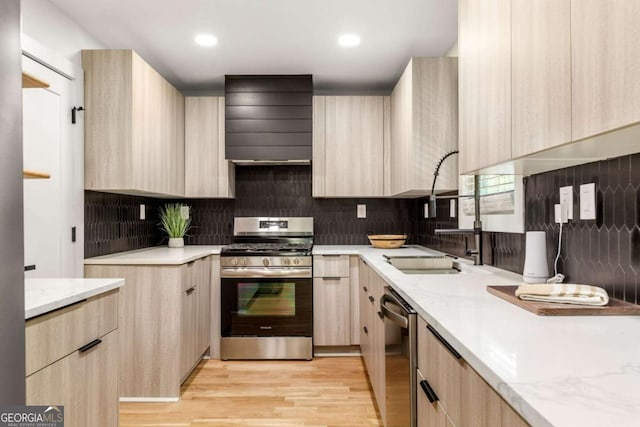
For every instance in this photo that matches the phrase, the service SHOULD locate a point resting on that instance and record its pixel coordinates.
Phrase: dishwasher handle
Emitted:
(391, 315)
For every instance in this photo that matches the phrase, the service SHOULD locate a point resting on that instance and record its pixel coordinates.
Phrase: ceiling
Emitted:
(273, 37)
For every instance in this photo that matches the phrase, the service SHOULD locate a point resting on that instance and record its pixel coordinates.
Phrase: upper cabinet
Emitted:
(349, 134)
(424, 127)
(134, 134)
(605, 61)
(207, 173)
(484, 45)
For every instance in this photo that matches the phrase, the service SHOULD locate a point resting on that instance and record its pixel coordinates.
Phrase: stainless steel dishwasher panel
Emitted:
(400, 360)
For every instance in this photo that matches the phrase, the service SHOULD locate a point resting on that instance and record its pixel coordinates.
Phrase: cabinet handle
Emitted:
(431, 395)
(364, 288)
(331, 255)
(331, 278)
(366, 331)
(380, 315)
(372, 299)
(89, 346)
(190, 290)
(444, 342)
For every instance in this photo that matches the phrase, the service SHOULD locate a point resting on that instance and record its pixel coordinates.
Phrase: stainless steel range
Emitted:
(267, 290)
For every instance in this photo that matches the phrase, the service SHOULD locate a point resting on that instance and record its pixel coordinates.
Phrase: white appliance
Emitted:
(536, 269)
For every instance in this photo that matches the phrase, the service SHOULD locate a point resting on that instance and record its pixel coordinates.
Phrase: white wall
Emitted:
(57, 41)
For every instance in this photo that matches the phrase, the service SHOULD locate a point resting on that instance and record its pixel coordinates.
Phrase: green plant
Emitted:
(172, 221)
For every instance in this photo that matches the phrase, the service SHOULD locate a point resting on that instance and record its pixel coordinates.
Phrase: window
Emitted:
(501, 203)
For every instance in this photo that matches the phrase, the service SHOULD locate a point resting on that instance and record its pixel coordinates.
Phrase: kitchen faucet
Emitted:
(477, 223)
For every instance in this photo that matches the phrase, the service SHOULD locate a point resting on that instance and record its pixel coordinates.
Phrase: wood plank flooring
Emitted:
(328, 391)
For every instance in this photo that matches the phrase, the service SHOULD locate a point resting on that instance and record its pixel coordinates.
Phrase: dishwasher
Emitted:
(399, 360)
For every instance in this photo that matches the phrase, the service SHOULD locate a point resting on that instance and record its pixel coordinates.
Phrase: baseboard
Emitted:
(337, 351)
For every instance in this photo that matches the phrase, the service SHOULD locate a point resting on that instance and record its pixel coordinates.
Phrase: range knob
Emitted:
(244, 262)
(286, 261)
(266, 262)
(234, 262)
(296, 261)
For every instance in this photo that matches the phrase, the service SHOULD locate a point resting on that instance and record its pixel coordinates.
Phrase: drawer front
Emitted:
(54, 335)
(331, 266)
(441, 369)
(430, 414)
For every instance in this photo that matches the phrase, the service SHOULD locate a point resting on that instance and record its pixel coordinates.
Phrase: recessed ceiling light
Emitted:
(348, 40)
(206, 40)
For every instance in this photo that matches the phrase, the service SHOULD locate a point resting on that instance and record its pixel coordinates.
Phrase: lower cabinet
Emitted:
(85, 379)
(335, 300)
(164, 313)
(451, 393)
(372, 336)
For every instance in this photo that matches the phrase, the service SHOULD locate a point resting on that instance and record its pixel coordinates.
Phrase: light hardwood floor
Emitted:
(329, 391)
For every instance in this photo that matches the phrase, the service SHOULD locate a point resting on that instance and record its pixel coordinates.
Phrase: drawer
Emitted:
(429, 414)
(52, 336)
(442, 369)
(331, 266)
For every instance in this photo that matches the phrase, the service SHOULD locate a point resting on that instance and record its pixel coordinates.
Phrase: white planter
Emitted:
(176, 242)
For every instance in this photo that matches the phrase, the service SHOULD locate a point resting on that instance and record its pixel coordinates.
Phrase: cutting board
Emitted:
(615, 307)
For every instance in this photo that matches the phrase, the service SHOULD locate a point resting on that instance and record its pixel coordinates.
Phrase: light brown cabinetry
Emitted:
(164, 324)
(134, 126)
(372, 336)
(207, 172)
(459, 396)
(349, 134)
(484, 44)
(605, 61)
(72, 360)
(331, 300)
(424, 126)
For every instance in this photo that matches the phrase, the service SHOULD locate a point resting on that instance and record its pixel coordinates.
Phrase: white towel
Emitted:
(563, 293)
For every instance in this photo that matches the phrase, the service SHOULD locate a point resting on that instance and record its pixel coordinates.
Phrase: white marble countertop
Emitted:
(160, 255)
(44, 295)
(554, 370)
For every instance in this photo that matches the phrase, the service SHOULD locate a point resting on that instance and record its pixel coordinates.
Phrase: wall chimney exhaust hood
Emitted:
(268, 119)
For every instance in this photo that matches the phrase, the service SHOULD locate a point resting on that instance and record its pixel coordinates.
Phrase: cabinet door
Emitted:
(541, 74)
(482, 405)
(207, 172)
(354, 285)
(366, 332)
(86, 383)
(605, 62)
(203, 307)
(188, 313)
(354, 146)
(331, 311)
(429, 414)
(485, 83)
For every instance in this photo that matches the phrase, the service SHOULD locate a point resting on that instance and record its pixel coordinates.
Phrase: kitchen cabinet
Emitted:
(349, 137)
(72, 360)
(540, 75)
(335, 300)
(424, 126)
(484, 44)
(165, 319)
(605, 59)
(134, 126)
(372, 338)
(462, 397)
(206, 172)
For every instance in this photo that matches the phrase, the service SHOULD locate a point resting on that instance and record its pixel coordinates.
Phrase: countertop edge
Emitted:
(137, 256)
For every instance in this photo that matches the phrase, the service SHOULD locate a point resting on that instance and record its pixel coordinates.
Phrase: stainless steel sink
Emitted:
(424, 264)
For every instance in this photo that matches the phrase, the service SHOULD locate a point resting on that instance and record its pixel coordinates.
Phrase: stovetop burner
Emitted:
(260, 236)
(267, 248)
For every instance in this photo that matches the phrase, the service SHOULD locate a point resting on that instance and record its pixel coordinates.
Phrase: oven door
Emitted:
(267, 307)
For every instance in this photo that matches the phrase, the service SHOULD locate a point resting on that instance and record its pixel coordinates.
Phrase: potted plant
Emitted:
(174, 223)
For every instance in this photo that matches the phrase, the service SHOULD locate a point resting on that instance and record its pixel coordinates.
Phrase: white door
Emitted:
(49, 210)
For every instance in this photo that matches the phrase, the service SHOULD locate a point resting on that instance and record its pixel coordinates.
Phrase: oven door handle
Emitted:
(264, 272)
(394, 317)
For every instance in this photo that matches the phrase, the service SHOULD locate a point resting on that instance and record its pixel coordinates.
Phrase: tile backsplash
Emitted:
(602, 252)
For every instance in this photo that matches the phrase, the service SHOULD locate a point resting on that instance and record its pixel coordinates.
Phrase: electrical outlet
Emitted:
(184, 212)
(588, 201)
(143, 212)
(362, 211)
(566, 199)
(452, 208)
(426, 210)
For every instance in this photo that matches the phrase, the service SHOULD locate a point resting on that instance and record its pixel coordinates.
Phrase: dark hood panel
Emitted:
(268, 117)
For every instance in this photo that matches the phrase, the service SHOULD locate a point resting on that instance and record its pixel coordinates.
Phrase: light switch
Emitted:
(452, 208)
(362, 211)
(143, 212)
(588, 201)
(426, 210)
(566, 200)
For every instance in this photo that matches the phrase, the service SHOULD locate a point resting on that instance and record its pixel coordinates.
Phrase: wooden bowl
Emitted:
(387, 241)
